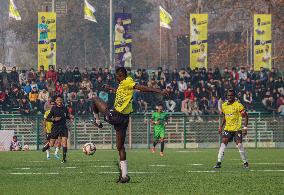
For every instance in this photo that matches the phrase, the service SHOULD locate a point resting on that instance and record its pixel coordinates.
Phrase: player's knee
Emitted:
(162, 140)
(119, 147)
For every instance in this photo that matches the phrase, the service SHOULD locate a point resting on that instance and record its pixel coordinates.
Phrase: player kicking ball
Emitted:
(47, 129)
(233, 111)
(159, 119)
(118, 116)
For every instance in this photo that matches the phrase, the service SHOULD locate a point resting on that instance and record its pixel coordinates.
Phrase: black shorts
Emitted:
(47, 135)
(118, 120)
(236, 135)
(57, 131)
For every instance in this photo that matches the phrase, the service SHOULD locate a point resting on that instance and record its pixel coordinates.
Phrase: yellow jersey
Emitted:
(233, 115)
(48, 125)
(124, 95)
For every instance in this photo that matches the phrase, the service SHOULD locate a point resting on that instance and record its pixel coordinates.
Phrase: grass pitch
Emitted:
(178, 172)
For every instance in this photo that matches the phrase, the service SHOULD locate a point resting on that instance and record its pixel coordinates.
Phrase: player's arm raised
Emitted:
(150, 89)
(108, 87)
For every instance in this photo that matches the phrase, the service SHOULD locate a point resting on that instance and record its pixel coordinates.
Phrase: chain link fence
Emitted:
(182, 131)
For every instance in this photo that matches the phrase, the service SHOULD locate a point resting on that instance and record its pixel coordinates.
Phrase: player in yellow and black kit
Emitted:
(118, 116)
(47, 127)
(233, 112)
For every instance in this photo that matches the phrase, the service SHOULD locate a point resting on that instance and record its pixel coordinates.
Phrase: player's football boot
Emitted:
(153, 150)
(124, 179)
(218, 165)
(162, 154)
(99, 125)
(246, 165)
(56, 156)
(48, 157)
(63, 161)
(45, 147)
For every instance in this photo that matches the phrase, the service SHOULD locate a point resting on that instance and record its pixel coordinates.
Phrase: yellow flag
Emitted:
(13, 11)
(89, 12)
(262, 41)
(165, 18)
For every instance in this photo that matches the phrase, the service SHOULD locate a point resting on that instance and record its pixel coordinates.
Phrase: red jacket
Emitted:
(189, 94)
(51, 74)
(58, 88)
(2, 96)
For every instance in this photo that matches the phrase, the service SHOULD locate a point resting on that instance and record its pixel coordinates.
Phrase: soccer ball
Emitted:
(89, 149)
(26, 147)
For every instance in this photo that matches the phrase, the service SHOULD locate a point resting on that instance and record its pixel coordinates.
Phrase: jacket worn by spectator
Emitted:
(51, 74)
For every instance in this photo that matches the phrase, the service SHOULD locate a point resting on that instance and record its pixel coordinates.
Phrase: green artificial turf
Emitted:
(178, 172)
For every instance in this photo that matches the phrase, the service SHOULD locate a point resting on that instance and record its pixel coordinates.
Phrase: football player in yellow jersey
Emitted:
(118, 116)
(233, 112)
(47, 127)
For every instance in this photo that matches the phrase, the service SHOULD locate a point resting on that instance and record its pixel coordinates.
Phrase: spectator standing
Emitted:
(60, 76)
(51, 74)
(14, 76)
(77, 76)
(41, 72)
(68, 76)
(5, 80)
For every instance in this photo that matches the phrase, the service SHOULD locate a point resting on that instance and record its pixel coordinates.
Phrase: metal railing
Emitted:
(182, 131)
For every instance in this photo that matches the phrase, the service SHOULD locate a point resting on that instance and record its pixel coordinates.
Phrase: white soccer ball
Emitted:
(89, 149)
(26, 147)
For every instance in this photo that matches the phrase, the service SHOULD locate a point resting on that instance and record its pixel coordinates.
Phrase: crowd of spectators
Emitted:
(195, 92)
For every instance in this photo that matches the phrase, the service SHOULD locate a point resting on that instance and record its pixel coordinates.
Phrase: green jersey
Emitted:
(159, 129)
(160, 117)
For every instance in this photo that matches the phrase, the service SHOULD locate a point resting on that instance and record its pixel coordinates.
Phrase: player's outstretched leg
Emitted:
(99, 106)
(120, 139)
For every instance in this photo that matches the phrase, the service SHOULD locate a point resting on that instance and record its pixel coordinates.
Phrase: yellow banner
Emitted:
(262, 41)
(198, 40)
(46, 39)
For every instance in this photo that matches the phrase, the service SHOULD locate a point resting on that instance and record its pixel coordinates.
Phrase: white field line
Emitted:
(220, 171)
(33, 173)
(103, 166)
(202, 171)
(158, 165)
(93, 160)
(263, 163)
(134, 172)
(281, 170)
(24, 168)
(70, 167)
(196, 164)
(188, 151)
